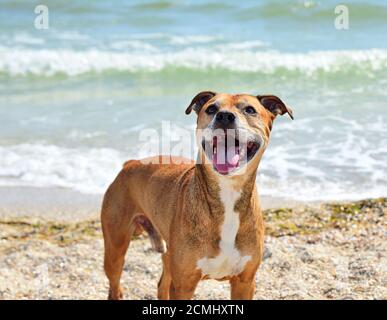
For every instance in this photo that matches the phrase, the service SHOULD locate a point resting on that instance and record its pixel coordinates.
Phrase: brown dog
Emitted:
(205, 218)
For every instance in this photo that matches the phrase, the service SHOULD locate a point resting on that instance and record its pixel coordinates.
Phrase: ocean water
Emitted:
(75, 98)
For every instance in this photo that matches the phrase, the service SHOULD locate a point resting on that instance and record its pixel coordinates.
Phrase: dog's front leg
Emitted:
(243, 285)
(183, 287)
(242, 290)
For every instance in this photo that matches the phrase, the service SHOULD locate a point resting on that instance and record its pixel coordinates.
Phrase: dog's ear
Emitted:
(199, 101)
(275, 105)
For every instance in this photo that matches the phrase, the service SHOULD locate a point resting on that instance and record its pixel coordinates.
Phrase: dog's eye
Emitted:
(250, 110)
(212, 109)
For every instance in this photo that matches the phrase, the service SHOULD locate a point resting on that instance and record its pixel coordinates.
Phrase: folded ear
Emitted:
(275, 105)
(199, 101)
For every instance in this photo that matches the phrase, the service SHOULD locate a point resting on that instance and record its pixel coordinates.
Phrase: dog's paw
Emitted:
(115, 294)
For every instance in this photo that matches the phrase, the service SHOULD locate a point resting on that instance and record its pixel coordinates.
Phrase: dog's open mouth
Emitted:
(229, 154)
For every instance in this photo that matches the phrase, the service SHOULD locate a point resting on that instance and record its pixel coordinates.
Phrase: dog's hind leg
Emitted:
(158, 245)
(165, 279)
(115, 249)
(118, 228)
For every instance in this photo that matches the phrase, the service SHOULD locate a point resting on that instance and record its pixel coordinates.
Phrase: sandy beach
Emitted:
(319, 251)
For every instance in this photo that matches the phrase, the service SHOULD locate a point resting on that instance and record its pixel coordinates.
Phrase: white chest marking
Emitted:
(229, 262)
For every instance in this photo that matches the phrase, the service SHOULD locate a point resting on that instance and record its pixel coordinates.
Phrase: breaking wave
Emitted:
(239, 57)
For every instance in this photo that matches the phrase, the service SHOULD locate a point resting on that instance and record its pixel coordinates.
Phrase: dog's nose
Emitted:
(225, 117)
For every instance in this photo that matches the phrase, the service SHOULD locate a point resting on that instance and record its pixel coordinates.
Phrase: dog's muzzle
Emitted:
(230, 149)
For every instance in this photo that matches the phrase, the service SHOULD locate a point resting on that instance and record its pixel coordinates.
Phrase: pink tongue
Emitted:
(223, 162)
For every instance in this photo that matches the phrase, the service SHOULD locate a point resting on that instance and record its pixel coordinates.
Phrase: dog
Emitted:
(204, 216)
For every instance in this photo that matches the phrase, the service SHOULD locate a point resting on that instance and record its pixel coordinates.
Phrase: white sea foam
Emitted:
(35, 165)
(17, 61)
(345, 160)
(176, 39)
(133, 45)
(346, 167)
(186, 40)
(24, 38)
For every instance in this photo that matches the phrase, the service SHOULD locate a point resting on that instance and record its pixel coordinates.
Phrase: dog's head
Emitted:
(233, 130)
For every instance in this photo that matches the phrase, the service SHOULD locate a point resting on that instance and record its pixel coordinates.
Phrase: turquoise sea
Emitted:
(75, 97)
